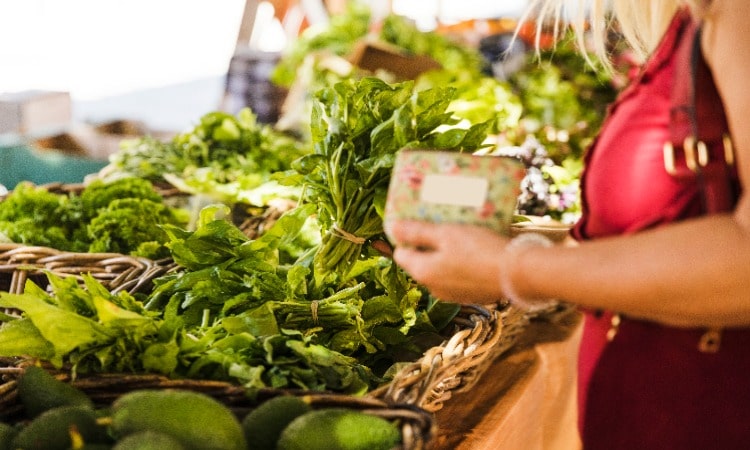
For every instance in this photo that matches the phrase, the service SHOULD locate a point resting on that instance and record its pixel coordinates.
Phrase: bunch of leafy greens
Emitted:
(358, 126)
(226, 274)
(224, 156)
(337, 37)
(231, 312)
(94, 331)
(340, 36)
(122, 216)
(33, 215)
(478, 98)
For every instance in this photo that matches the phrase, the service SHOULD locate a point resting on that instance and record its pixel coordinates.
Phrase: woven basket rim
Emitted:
(457, 364)
(116, 271)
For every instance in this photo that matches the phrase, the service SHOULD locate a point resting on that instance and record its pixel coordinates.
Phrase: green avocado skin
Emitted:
(339, 429)
(148, 440)
(7, 433)
(51, 430)
(39, 391)
(264, 424)
(196, 420)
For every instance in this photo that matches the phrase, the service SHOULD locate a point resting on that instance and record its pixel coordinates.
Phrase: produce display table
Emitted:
(526, 399)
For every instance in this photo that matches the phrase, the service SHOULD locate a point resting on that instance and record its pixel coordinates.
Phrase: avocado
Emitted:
(52, 429)
(263, 425)
(196, 420)
(339, 429)
(148, 440)
(39, 391)
(7, 433)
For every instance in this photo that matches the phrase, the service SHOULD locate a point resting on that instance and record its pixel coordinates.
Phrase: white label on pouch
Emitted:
(454, 190)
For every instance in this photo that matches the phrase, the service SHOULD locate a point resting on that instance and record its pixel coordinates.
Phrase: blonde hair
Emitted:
(640, 22)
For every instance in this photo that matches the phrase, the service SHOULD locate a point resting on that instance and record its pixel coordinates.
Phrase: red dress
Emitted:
(650, 387)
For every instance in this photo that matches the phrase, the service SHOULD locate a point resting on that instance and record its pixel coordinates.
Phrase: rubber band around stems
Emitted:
(345, 235)
(314, 310)
(516, 245)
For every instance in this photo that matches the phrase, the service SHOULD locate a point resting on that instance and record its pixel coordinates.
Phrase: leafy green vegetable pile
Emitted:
(227, 157)
(338, 37)
(233, 313)
(564, 99)
(122, 216)
(252, 310)
(346, 29)
(452, 55)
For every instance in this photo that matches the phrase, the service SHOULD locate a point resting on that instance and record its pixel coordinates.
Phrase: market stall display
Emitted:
(264, 279)
(185, 301)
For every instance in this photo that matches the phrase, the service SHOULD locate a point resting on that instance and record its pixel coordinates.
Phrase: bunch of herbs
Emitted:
(358, 126)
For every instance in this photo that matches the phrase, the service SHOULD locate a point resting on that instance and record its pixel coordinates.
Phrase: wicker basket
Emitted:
(477, 336)
(480, 334)
(417, 425)
(117, 272)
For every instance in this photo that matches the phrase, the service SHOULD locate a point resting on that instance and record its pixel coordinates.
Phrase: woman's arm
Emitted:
(692, 273)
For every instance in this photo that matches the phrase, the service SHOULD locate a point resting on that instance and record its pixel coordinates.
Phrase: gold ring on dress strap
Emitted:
(728, 149)
(688, 147)
(669, 164)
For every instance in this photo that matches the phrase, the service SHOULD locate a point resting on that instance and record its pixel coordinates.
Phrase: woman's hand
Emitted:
(455, 262)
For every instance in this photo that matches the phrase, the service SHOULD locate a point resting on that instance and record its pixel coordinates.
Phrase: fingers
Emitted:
(417, 263)
(447, 278)
(412, 233)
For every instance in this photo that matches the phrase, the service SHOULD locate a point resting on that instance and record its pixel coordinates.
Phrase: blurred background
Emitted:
(82, 78)
(164, 62)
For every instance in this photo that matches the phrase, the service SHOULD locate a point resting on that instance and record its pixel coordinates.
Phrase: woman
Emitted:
(662, 268)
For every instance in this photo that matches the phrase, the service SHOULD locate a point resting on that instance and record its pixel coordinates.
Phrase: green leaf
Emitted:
(296, 281)
(442, 313)
(250, 376)
(21, 337)
(213, 242)
(285, 229)
(227, 131)
(108, 313)
(348, 341)
(381, 309)
(450, 139)
(257, 322)
(161, 357)
(308, 163)
(65, 330)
